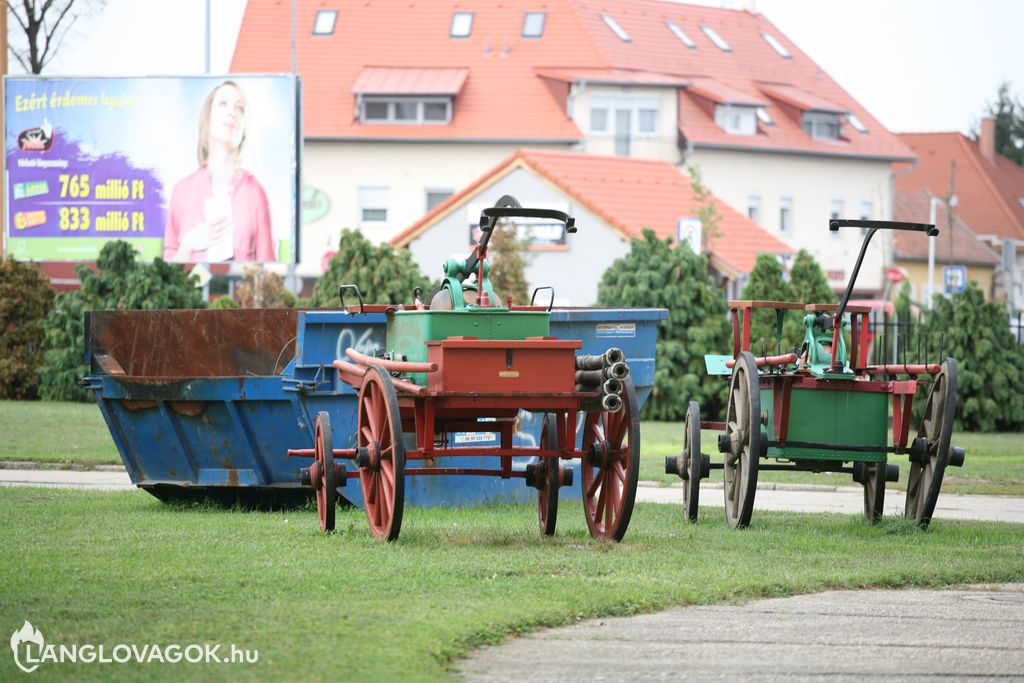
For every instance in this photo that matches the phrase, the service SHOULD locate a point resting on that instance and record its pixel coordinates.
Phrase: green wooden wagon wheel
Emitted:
(929, 454)
(743, 429)
(322, 474)
(381, 455)
(547, 478)
(611, 466)
(693, 461)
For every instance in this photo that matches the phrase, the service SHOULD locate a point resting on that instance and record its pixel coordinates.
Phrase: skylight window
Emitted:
(1021, 201)
(533, 24)
(462, 25)
(776, 45)
(325, 20)
(764, 117)
(616, 29)
(856, 123)
(716, 39)
(681, 35)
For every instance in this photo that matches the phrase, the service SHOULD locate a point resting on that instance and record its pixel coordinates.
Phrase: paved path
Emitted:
(794, 497)
(973, 633)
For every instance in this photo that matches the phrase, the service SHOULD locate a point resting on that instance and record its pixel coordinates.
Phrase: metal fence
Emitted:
(905, 341)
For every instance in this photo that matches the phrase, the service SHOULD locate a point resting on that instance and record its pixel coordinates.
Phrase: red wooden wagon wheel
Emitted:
(929, 454)
(611, 466)
(322, 473)
(743, 429)
(547, 478)
(381, 455)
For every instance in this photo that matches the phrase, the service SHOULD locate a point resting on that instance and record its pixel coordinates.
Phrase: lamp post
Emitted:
(931, 245)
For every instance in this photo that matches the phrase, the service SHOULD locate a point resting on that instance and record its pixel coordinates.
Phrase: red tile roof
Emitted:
(801, 100)
(914, 206)
(375, 80)
(723, 94)
(988, 192)
(629, 194)
(505, 98)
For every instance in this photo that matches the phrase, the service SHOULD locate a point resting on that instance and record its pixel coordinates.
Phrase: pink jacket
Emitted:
(250, 216)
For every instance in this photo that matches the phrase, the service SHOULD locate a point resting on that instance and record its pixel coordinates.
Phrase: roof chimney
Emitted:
(987, 140)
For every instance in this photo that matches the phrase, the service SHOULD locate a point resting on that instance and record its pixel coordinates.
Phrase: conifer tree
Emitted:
(384, 275)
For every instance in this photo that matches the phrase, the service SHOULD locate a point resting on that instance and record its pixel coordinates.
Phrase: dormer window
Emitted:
(462, 25)
(325, 21)
(681, 35)
(820, 125)
(718, 40)
(736, 119)
(616, 29)
(409, 110)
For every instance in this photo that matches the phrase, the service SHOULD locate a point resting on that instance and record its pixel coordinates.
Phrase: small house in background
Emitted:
(960, 256)
(612, 198)
(989, 189)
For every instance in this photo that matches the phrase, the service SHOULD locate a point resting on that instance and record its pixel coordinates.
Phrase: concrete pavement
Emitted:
(792, 497)
(973, 632)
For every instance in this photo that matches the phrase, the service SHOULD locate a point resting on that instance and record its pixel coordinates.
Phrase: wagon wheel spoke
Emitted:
(595, 486)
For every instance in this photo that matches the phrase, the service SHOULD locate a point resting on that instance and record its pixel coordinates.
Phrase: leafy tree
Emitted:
(990, 362)
(507, 253)
(223, 302)
(385, 275)
(25, 299)
(707, 210)
(767, 284)
(808, 285)
(44, 24)
(1008, 113)
(121, 284)
(656, 274)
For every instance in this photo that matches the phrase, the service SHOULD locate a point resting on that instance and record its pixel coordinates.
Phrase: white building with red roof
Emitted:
(404, 102)
(612, 198)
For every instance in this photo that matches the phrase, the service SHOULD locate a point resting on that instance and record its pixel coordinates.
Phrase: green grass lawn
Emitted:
(76, 434)
(71, 433)
(112, 568)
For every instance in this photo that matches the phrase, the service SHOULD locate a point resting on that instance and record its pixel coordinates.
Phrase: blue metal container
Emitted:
(206, 403)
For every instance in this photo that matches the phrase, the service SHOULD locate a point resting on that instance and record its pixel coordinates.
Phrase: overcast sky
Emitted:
(917, 65)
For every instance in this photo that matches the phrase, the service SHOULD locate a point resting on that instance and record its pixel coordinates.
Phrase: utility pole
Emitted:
(3, 130)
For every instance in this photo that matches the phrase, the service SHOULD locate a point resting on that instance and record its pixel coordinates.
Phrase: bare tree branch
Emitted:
(44, 26)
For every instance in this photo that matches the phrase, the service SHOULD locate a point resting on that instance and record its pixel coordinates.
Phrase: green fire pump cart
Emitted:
(823, 408)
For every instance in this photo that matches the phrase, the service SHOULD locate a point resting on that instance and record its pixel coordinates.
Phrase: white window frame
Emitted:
(464, 30)
(681, 35)
(391, 103)
(754, 208)
(325, 22)
(776, 45)
(616, 29)
(817, 124)
(613, 103)
(718, 40)
(427, 191)
(736, 119)
(526, 21)
(867, 210)
(373, 198)
(857, 124)
(764, 117)
(785, 215)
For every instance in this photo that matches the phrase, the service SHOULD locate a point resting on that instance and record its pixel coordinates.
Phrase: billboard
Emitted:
(189, 169)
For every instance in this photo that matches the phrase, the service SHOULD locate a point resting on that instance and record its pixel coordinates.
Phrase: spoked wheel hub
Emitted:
(380, 453)
(930, 452)
(611, 467)
(742, 441)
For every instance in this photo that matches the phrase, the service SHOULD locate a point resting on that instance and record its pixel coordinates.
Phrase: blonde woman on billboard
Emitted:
(220, 212)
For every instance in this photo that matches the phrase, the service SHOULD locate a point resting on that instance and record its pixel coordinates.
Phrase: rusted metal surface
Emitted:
(191, 343)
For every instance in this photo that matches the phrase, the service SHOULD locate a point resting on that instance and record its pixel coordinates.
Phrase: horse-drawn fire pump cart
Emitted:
(823, 408)
(467, 362)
